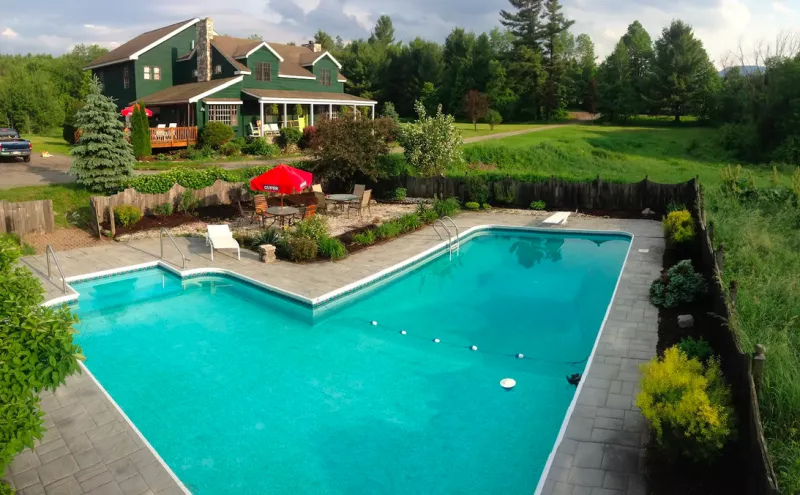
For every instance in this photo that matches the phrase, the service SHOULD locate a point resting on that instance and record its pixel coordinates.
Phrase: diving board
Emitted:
(559, 218)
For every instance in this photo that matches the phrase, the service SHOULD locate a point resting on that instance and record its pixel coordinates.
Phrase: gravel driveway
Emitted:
(39, 172)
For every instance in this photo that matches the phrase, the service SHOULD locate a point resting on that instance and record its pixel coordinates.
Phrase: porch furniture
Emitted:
(358, 190)
(342, 199)
(221, 237)
(253, 131)
(271, 128)
(161, 126)
(281, 213)
(361, 205)
(309, 211)
(260, 205)
(322, 202)
(316, 188)
(173, 125)
(559, 218)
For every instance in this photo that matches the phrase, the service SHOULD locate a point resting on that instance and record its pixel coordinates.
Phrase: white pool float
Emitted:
(508, 383)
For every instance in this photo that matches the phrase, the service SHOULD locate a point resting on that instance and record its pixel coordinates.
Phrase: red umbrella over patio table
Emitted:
(282, 179)
(128, 111)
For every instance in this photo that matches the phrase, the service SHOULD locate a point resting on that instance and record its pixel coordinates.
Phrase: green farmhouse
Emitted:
(188, 75)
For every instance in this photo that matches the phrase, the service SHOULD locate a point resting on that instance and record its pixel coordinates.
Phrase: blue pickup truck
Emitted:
(11, 146)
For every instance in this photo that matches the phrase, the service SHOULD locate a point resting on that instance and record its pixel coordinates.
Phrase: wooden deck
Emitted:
(173, 137)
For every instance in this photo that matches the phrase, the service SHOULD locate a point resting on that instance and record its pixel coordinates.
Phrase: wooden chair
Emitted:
(317, 188)
(260, 204)
(362, 205)
(309, 211)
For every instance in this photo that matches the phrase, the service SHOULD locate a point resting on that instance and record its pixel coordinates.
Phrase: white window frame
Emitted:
(126, 77)
(227, 114)
(218, 69)
(147, 72)
(156, 73)
(268, 72)
(322, 75)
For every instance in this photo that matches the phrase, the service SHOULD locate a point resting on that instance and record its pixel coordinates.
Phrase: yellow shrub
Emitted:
(679, 227)
(687, 405)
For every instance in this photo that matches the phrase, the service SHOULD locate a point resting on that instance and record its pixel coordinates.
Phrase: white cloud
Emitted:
(781, 8)
(360, 15)
(9, 33)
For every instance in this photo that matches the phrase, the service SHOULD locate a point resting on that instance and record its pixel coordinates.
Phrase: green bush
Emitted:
(127, 215)
(471, 205)
(188, 203)
(486, 206)
(290, 136)
(687, 404)
(191, 178)
(387, 230)
(262, 147)
(332, 248)
(426, 214)
(25, 248)
(215, 134)
(315, 228)
(301, 248)
(538, 205)
(446, 207)
(364, 238)
(493, 118)
(503, 193)
(398, 194)
(678, 227)
(410, 221)
(696, 349)
(163, 210)
(270, 235)
(679, 284)
(37, 353)
(477, 189)
(231, 148)
(140, 132)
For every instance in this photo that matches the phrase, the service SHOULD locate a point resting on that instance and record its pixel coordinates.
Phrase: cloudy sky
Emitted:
(54, 26)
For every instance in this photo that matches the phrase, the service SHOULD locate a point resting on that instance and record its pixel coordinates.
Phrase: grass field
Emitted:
(51, 142)
(468, 130)
(68, 199)
(619, 154)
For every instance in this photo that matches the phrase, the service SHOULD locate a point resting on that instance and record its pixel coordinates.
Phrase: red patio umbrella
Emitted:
(128, 111)
(282, 179)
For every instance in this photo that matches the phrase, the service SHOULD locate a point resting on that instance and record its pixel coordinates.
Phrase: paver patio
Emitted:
(90, 448)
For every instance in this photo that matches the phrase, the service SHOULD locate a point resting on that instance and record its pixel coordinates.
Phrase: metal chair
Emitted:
(260, 205)
(360, 206)
(358, 190)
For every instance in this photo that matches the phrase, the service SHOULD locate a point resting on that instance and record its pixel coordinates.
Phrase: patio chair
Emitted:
(362, 205)
(358, 190)
(309, 211)
(161, 126)
(272, 128)
(221, 237)
(253, 131)
(322, 203)
(260, 205)
(317, 188)
(173, 125)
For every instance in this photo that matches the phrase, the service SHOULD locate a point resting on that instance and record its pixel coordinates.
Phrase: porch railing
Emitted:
(172, 137)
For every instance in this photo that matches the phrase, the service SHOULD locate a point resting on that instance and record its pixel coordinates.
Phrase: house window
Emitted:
(325, 77)
(147, 72)
(229, 114)
(195, 73)
(217, 69)
(157, 73)
(263, 71)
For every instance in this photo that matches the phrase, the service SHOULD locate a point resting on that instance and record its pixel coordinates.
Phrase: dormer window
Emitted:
(217, 69)
(191, 45)
(325, 77)
(263, 71)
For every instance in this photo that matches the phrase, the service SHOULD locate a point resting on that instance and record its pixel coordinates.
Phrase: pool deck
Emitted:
(90, 447)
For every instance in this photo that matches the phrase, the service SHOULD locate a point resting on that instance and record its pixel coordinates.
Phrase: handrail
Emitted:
(458, 241)
(449, 236)
(48, 251)
(161, 239)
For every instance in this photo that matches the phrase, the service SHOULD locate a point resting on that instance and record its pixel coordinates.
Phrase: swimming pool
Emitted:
(244, 391)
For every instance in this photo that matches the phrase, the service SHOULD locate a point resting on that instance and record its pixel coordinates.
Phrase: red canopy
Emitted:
(127, 111)
(282, 179)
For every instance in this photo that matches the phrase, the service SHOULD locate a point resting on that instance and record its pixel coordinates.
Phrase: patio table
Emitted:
(281, 213)
(341, 199)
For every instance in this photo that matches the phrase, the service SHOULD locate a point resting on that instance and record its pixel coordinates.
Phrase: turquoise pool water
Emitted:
(244, 392)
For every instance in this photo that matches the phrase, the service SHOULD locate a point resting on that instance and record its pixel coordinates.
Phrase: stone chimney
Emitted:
(205, 33)
(314, 47)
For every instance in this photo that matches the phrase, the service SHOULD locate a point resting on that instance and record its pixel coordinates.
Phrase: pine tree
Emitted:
(525, 23)
(383, 34)
(103, 158)
(555, 24)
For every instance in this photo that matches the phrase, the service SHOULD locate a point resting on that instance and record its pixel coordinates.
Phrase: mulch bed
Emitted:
(204, 214)
(668, 475)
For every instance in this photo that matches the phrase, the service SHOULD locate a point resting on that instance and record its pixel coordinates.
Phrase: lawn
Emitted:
(619, 154)
(69, 200)
(51, 142)
(468, 130)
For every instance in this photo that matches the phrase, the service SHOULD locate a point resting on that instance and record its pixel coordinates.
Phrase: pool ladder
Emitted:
(451, 244)
(161, 238)
(49, 252)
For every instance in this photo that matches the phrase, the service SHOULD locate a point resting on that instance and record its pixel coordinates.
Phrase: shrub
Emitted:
(678, 227)
(477, 189)
(675, 206)
(688, 406)
(308, 136)
(262, 147)
(188, 203)
(231, 148)
(426, 214)
(344, 148)
(390, 112)
(679, 284)
(127, 215)
(36, 353)
(397, 194)
(387, 230)
(486, 206)
(140, 132)
(332, 248)
(163, 210)
(410, 221)
(735, 184)
(446, 207)
(315, 228)
(493, 118)
(301, 248)
(432, 144)
(364, 238)
(215, 134)
(290, 136)
(538, 205)
(471, 205)
(503, 193)
(696, 349)
(270, 235)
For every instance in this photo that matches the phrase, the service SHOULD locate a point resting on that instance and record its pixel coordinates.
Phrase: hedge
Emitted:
(191, 178)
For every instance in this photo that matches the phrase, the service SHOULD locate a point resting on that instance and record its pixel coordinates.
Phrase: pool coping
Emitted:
(347, 290)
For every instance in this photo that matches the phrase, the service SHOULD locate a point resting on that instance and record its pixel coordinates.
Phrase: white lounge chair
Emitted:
(161, 126)
(221, 237)
(253, 131)
(272, 128)
(559, 218)
(173, 125)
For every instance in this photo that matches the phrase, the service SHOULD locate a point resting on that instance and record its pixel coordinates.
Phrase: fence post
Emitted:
(720, 256)
(734, 293)
(111, 219)
(759, 360)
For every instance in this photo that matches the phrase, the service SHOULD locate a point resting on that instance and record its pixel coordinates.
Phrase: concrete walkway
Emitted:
(90, 448)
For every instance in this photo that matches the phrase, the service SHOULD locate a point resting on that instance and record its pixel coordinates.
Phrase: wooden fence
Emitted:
(559, 194)
(27, 217)
(219, 193)
(742, 370)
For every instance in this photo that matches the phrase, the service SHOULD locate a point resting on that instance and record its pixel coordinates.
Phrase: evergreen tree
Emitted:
(458, 77)
(555, 25)
(140, 132)
(526, 76)
(325, 40)
(383, 34)
(640, 50)
(525, 23)
(682, 71)
(103, 158)
(429, 97)
(616, 98)
(501, 96)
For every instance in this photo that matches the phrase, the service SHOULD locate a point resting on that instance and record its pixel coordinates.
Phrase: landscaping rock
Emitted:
(267, 252)
(685, 321)
(647, 212)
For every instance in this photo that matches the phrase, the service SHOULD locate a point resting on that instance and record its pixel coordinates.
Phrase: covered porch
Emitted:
(265, 112)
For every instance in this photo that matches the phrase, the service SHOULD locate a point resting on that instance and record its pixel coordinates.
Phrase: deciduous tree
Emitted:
(345, 148)
(475, 105)
(432, 143)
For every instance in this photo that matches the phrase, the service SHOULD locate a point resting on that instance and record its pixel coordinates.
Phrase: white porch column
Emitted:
(285, 115)
(312, 114)
(355, 113)
(330, 111)
(261, 129)
(373, 111)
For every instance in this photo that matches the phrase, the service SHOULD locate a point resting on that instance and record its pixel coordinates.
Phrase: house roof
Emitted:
(140, 44)
(229, 57)
(189, 93)
(297, 58)
(235, 47)
(279, 94)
